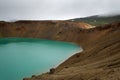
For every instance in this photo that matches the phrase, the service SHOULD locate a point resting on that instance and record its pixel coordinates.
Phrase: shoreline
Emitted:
(96, 42)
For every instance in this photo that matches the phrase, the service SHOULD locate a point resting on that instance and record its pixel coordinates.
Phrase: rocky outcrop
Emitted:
(100, 59)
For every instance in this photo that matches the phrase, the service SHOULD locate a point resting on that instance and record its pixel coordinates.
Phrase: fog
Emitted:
(55, 9)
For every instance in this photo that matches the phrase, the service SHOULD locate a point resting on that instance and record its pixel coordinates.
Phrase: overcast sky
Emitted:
(55, 9)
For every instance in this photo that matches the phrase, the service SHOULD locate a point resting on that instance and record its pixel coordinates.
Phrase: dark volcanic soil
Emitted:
(100, 59)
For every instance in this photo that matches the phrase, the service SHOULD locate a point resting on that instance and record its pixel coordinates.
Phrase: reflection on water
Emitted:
(20, 57)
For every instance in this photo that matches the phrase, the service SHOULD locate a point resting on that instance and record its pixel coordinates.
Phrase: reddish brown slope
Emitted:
(55, 30)
(100, 59)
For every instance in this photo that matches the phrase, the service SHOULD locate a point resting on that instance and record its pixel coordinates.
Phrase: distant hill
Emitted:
(98, 20)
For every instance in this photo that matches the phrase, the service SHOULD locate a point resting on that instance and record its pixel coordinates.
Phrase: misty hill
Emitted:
(99, 20)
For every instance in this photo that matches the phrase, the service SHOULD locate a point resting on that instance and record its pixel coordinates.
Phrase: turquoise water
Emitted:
(23, 57)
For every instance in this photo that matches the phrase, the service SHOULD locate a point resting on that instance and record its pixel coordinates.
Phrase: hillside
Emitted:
(53, 30)
(98, 20)
(100, 59)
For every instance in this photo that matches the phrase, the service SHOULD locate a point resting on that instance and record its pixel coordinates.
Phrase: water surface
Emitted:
(23, 57)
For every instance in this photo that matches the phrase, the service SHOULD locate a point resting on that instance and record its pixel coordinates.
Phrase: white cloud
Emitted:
(55, 9)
